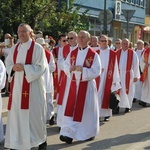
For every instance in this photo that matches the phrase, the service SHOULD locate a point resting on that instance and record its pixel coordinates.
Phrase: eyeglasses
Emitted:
(103, 40)
(71, 38)
(64, 40)
(23, 31)
(117, 43)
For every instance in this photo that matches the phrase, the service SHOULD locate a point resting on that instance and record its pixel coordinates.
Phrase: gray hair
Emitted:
(27, 26)
(140, 42)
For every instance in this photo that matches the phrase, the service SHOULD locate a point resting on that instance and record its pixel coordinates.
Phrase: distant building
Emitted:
(146, 35)
(117, 28)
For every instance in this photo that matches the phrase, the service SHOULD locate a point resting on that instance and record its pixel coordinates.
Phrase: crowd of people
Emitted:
(80, 72)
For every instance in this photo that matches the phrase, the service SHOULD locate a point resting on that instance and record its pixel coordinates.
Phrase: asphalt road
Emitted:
(129, 131)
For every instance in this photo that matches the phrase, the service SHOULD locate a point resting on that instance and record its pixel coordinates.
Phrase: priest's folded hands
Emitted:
(79, 68)
(18, 67)
(72, 68)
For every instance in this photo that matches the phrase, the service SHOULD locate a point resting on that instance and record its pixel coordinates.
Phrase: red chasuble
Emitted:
(76, 99)
(128, 66)
(63, 77)
(109, 79)
(26, 85)
(145, 71)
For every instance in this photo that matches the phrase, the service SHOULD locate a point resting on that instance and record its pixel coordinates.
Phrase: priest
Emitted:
(26, 64)
(129, 74)
(109, 78)
(2, 85)
(81, 115)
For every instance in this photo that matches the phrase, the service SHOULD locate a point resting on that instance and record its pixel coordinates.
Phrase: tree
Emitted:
(63, 20)
(41, 15)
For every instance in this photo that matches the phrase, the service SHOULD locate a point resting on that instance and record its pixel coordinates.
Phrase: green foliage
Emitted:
(44, 15)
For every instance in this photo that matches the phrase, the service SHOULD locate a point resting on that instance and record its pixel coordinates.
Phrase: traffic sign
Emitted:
(109, 16)
(128, 14)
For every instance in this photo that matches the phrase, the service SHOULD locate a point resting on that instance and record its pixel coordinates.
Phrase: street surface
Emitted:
(129, 131)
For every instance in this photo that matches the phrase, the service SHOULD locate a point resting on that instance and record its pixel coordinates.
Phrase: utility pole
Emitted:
(128, 14)
(105, 19)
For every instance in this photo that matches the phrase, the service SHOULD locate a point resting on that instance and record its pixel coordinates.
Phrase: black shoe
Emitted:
(7, 94)
(91, 139)
(115, 111)
(66, 139)
(106, 118)
(127, 110)
(142, 103)
(59, 128)
(43, 146)
(51, 121)
(134, 100)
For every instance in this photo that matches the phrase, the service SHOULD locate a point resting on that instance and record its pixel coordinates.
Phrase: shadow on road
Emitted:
(121, 140)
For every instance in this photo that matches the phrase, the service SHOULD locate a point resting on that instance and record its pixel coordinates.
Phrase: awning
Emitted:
(147, 29)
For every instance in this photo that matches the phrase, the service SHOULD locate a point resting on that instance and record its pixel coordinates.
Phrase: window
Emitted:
(142, 3)
(129, 1)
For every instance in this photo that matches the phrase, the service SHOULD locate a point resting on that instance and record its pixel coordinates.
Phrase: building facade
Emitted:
(146, 34)
(121, 18)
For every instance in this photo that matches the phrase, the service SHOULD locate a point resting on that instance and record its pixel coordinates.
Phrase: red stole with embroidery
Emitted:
(76, 99)
(26, 85)
(145, 71)
(128, 66)
(109, 79)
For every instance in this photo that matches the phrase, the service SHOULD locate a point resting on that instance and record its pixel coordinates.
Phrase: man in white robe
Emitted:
(57, 53)
(145, 68)
(129, 74)
(105, 56)
(72, 45)
(26, 64)
(82, 69)
(48, 78)
(2, 84)
(138, 84)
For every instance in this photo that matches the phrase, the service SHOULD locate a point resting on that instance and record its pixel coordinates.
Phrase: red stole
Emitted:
(128, 66)
(98, 78)
(26, 85)
(145, 71)
(48, 55)
(66, 51)
(55, 73)
(109, 79)
(76, 99)
(63, 77)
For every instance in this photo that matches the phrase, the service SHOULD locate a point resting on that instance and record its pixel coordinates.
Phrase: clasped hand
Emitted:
(76, 68)
(18, 67)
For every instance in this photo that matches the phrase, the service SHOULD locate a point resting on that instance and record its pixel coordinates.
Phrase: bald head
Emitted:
(125, 44)
(83, 38)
